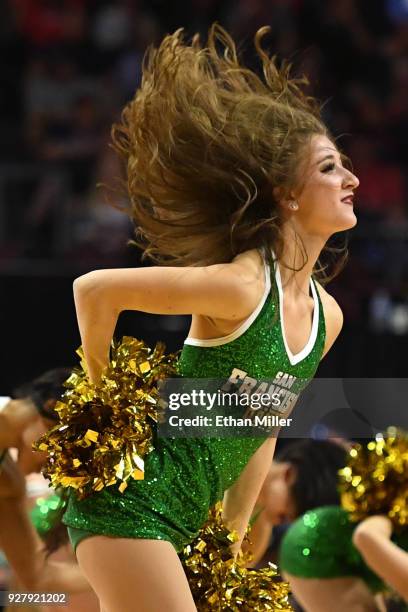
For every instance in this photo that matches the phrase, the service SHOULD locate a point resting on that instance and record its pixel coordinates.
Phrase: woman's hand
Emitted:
(240, 498)
(373, 526)
(12, 482)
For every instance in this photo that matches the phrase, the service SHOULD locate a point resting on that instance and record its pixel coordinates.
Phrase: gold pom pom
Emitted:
(376, 478)
(220, 583)
(105, 430)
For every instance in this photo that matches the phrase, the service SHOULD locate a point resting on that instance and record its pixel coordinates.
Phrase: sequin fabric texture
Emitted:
(184, 477)
(319, 545)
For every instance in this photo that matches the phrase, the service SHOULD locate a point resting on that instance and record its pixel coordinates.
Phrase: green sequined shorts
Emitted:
(133, 514)
(184, 478)
(77, 535)
(171, 504)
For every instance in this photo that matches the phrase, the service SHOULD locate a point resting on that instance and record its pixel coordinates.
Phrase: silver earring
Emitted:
(293, 206)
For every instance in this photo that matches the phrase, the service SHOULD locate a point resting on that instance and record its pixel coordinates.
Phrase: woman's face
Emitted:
(25, 426)
(276, 497)
(29, 460)
(325, 198)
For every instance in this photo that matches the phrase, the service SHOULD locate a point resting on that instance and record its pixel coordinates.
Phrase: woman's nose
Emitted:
(351, 180)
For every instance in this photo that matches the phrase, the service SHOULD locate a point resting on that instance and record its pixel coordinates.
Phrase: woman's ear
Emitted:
(289, 474)
(278, 194)
(285, 199)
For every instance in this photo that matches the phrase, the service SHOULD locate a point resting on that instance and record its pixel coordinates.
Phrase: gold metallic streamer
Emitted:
(375, 480)
(105, 430)
(220, 583)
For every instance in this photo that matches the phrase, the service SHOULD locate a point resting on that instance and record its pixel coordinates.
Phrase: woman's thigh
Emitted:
(135, 575)
(334, 594)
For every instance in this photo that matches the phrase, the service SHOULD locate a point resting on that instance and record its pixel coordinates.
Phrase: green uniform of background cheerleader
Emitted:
(184, 477)
(319, 545)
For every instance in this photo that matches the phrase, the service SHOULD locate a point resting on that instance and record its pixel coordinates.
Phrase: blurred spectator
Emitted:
(112, 26)
(382, 190)
(398, 10)
(46, 22)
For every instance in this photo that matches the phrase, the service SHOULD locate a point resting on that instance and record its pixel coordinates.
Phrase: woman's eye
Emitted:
(328, 168)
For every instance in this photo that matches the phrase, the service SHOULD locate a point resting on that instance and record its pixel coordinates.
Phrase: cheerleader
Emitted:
(236, 186)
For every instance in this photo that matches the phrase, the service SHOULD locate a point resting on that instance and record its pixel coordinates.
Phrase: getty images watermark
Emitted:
(241, 405)
(210, 401)
(238, 405)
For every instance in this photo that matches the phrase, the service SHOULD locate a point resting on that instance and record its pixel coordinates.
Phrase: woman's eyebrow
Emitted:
(324, 159)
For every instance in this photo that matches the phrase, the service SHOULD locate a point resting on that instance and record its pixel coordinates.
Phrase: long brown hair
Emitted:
(206, 141)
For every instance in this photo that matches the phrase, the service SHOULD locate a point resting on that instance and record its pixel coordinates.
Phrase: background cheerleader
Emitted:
(342, 555)
(22, 420)
(302, 476)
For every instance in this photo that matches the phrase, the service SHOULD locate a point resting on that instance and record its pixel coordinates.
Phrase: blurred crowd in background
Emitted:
(67, 67)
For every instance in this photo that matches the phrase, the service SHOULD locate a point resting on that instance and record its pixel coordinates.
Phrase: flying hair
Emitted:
(206, 141)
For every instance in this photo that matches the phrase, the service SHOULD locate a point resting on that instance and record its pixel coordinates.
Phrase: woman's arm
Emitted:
(25, 553)
(229, 291)
(12, 482)
(240, 498)
(22, 546)
(12, 422)
(259, 537)
(386, 559)
(7, 439)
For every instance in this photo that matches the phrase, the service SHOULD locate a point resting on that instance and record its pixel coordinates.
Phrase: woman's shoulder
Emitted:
(328, 301)
(252, 279)
(250, 273)
(252, 260)
(333, 317)
(332, 310)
